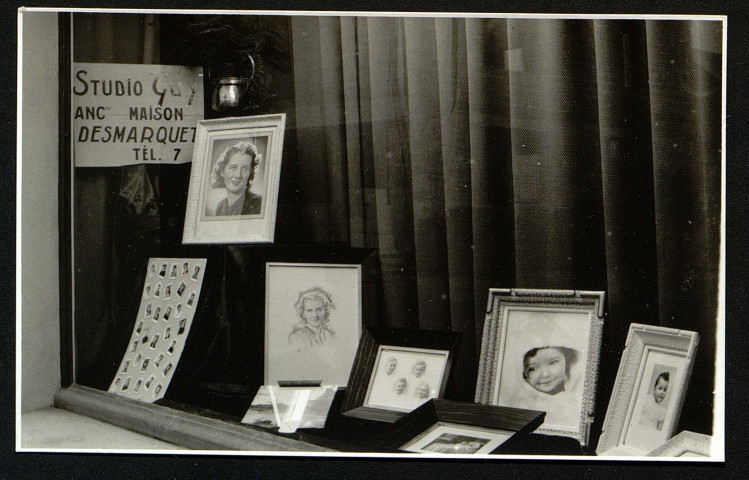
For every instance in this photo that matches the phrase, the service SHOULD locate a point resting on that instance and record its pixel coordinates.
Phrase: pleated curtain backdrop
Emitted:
(529, 153)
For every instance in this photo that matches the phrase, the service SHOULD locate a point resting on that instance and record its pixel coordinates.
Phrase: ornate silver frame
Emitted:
(493, 341)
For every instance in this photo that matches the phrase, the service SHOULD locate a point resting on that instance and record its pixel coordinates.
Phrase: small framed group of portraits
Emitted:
(313, 321)
(450, 427)
(649, 391)
(540, 351)
(397, 370)
(233, 193)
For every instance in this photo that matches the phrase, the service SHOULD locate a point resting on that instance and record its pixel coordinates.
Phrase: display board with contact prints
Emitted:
(167, 307)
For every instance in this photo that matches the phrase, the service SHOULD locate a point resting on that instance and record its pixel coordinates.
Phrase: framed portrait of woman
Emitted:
(313, 321)
(234, 180)
(540, 351)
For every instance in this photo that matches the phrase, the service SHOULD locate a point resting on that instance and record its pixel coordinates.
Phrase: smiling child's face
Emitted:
(660, 389)
(546, 370)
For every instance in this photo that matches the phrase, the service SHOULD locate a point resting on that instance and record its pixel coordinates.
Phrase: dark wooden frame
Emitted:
(364, 362)
(521, 422)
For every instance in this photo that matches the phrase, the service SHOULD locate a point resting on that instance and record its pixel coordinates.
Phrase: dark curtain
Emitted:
(534, 153)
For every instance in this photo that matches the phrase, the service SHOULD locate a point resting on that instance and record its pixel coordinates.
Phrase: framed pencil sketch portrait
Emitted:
(233, 192)
(649, 391)
(396, 371)
(313, 321)
(540, 351)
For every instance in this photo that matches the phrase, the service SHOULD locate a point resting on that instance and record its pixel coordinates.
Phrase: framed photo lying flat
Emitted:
(685, 445)
(397, 370)
(450, 427)
(649, 391)
(233, 192)
(540, 351)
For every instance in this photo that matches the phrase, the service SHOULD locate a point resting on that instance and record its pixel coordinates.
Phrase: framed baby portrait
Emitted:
(313, 321)
(233, 193)
(540, 351)
(649, 391)
(449, 427)
(396, 371)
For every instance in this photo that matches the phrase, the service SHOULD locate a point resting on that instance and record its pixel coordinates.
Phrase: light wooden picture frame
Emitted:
(540, 351)
(685, 445)
(649, 391)
(233, 193)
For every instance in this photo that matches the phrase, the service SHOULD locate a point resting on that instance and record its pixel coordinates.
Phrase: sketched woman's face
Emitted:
(237, 172)
(313, 311)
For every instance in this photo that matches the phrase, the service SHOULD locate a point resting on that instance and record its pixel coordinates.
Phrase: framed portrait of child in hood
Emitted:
(540, 351)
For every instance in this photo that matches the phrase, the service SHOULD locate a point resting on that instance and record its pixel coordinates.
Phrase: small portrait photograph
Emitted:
(653, 401)
(236, 177)
(162, 270)
(234, 180)
(181, 289)
(185, 268)
(313, 321)
(544, 364)
(152, 270)
(168, 292)
(404, 377)
(449, 438)
(173, 272)
(655, 404)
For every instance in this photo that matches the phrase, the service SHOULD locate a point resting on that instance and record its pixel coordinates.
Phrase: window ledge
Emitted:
(174, 426)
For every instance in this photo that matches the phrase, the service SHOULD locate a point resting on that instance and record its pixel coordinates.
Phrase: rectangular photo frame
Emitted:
(649, 390)
(233, 193)
(313, 321)
(450, 427)
(686, 445)
(540, 351)
(397, 370)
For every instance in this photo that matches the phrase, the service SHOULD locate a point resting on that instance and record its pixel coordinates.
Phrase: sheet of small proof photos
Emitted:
(167, 307)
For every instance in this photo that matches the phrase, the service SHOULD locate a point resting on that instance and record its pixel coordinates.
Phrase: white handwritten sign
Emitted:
(135, 114)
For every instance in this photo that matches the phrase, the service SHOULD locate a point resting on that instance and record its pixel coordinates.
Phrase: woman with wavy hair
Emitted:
(235, 170)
